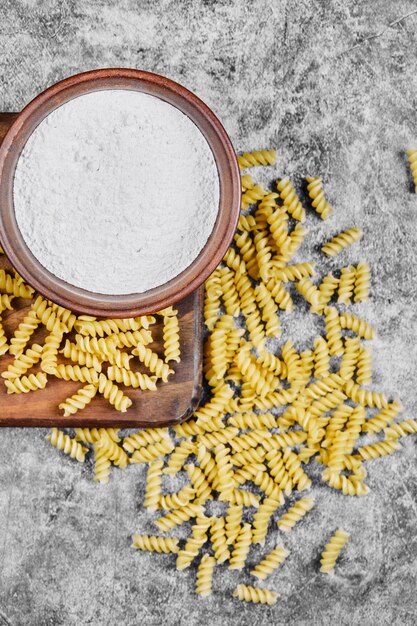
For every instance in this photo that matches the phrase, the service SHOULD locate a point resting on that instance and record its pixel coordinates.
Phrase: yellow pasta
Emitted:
(14, 287)
(172, 339)
(205, 575)
(113, 394)
(412, 159)
(153, 485)
(68, 446)
(25, 362)
(241, 548)
(23, 333)
(156, 365)
(291, 200)
(342, 241)
(137, 380)
(332, 550)
(219, 539)
(295, 513)
(346, 284)
(316, 192)
(25, 384)
(257, 157)
(252, 195)
(362, 282)
(152, 543)
(78, 401)
(76, 373)
(270, 563)
(255, 594)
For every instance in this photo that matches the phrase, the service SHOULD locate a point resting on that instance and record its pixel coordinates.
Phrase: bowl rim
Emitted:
(131, 305)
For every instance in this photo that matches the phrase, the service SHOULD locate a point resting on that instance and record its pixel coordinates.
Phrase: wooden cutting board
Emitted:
(172, 403)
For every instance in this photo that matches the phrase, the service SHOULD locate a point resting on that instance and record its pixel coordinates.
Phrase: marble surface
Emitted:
(332, 85)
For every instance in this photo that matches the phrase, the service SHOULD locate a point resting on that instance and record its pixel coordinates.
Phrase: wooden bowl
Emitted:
(81, 300)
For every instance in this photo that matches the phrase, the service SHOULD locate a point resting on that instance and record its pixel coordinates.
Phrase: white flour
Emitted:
(116, 192)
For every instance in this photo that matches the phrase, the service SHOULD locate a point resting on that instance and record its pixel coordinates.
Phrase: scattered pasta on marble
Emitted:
(272, 413)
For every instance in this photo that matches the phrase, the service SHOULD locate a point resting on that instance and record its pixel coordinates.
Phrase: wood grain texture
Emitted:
(172, 403)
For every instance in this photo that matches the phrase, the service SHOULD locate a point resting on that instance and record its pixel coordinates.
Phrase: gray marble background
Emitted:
(332, 85)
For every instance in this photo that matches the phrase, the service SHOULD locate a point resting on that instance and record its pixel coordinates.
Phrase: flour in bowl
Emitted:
(116, 192)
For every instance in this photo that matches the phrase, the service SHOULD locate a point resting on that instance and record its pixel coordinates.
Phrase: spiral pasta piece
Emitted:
(14, 287)
(76, 373)
(101, 347)
(156, 365)
(49, 313)
(364, 397)
(256, 157)
(205, 575)
(153, 485)
(68, 446)
(137, 380)
(364, 367)
(295, 514)
(357, 325)
(346, 284)
(113, 394)
(251, 196)
(171, 339)
(269, 310)
(333, 331)
(262, 518)
(381, 448)
(327, 288)
(152, 543)
(381, 420)
(152, 451)
(319, 201)
(280, 295)
(342, 241)
(111, 450)
(176, 500)
(78, 401)
(255, 594)
(87, 435)
(199, 483)
(25, 384)
(225, 483)
(350, 357)
(129, 339)
(20, 366)
(290, 199)
(229, 292)
(310, 293)
(101, 464)
(252, 373)
(270, 563)
(6, 302)
(179, 455)
(143, 438)
(246, 181)
(179, 516)
(71, 352)
(23, 333)
(247, 250)
(104, 327)
(332, 550)
(321, 358)
(401, 429)
(241, 548)
(412, 159)
(215, 407)
(362, 282)
(219, 539)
